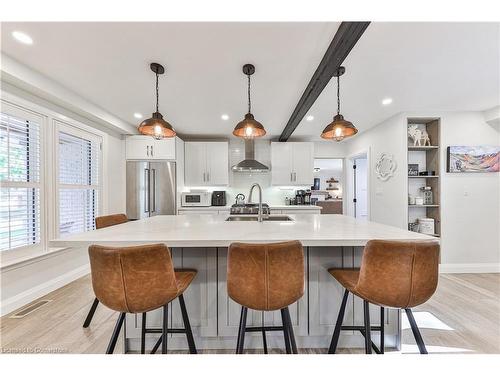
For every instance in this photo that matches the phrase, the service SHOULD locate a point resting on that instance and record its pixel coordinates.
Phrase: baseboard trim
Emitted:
(469, 268)
(21, 299)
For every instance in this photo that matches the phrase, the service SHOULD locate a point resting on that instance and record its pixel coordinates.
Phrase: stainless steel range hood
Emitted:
(250, 164)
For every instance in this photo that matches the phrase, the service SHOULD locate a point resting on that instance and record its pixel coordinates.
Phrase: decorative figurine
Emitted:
(418, 135)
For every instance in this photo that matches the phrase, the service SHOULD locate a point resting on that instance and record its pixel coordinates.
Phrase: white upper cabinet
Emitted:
(206, 163)
(145, 147)
(292, 163)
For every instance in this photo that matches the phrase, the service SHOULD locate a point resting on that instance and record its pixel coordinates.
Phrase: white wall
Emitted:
(470, 208)
(116, 179)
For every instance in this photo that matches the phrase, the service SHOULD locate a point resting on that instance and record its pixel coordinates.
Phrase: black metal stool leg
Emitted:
(416, 332)
(90, 315)
(243, 324)
(164, 332)
(187, 326)
(157, 345)
(264, 340)
(116, 333)
(290, 331)
(285, 332)
(338, 325)
(143, 333)
(382, 330)
(368, 338)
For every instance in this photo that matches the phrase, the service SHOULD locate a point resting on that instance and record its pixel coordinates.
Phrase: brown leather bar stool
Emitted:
(393, 274)
(266, 277)
(103, 222)
(137, 280)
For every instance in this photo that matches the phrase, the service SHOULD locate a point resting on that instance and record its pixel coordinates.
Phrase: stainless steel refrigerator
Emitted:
(150, 189)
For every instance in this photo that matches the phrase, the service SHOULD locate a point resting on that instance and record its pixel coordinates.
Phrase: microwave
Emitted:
(196, 199)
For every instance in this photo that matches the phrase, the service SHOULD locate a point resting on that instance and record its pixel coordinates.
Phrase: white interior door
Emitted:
(361, 189)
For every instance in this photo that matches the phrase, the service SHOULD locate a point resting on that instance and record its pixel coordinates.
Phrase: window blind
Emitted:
(79, 185)
(19, 181)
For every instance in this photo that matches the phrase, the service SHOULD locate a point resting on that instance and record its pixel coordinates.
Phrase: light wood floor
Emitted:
(465, 314)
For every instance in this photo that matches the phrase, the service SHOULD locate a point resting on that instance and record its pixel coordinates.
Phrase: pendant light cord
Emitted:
(338, 94)
(249, 102)
(157, 95)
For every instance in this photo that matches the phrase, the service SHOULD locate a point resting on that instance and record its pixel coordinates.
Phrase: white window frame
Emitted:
(21, 112)
(60, 126)
(49, 193)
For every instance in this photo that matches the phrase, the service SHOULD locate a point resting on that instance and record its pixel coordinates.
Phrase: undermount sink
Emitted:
(255, 218)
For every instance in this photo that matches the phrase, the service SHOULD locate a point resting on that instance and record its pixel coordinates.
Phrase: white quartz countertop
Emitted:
(213, 231)
(271, 206)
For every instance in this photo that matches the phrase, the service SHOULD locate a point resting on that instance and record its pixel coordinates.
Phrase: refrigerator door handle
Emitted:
(154, 189)
(146, 190)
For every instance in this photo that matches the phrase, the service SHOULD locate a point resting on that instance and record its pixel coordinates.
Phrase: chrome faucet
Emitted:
(259, 216)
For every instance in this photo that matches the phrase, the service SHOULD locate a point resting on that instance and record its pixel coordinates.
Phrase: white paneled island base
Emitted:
(201, 241)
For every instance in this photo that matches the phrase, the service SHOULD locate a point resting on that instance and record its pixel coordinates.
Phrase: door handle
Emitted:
(146, 190)
(147, 150)
(154, 190)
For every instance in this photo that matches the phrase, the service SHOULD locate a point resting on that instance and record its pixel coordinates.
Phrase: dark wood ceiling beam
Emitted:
(344, 40)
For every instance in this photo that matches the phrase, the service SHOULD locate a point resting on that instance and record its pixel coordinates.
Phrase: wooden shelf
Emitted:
(423, 176)
(422, 148)
(423, 205)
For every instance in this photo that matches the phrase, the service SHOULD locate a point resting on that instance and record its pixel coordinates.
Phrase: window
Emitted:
(79, 155)
(20, 186)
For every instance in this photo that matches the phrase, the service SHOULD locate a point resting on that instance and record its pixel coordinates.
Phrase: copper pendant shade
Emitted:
(339, 128)
(249, 128)
(156, 126)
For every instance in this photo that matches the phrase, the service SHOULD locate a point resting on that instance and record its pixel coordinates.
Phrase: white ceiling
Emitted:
(422, 66)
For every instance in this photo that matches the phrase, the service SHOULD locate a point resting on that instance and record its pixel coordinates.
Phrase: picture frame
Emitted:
(412, 169)
(472, 159)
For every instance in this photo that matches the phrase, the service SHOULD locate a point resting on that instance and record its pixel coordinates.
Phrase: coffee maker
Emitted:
(300, 197)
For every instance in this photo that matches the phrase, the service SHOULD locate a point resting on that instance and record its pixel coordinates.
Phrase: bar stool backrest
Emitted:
(265, 277)
(110, 220)
(399, 274)
(133, 279)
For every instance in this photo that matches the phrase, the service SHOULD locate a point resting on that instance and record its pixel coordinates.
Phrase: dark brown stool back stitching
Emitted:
(140, 279)
(394, 274)
(103, 222)
(266, 277)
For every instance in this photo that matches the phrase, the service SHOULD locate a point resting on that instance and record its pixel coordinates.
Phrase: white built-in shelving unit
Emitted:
(428, 159)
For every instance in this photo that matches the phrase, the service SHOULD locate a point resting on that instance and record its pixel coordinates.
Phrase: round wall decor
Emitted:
(385, 166)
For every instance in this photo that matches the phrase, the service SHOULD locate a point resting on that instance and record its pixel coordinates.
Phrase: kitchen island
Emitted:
(201, 242)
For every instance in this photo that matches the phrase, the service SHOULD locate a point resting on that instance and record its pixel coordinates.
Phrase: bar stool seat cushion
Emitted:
(184, 278)
(348, 278)
(397, 274)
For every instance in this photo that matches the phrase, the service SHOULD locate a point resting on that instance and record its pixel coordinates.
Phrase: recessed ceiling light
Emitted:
(22, 37)
(225, 117)
(310, 118)
(137, 115)
(387, 101)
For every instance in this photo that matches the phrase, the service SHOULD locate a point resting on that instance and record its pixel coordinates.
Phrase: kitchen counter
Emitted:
(213, 230)
(200, 241)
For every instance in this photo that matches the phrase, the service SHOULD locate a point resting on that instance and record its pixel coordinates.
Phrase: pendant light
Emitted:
(249, 128)
(156, 126)
(339, 129)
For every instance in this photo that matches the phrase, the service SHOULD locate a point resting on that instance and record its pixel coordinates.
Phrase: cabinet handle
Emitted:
(152, 150)
(208, 177)
(291, 176)
(147, 150)
(294, 176)
(203, 176)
